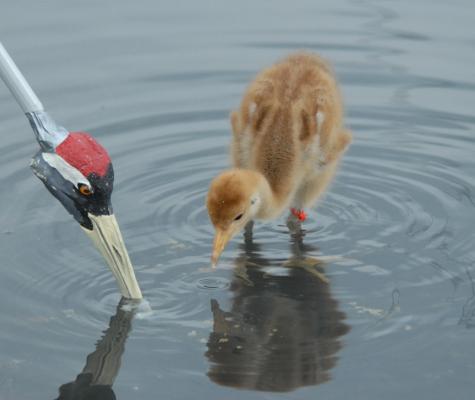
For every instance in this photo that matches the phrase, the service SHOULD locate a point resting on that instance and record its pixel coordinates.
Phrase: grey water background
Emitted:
(154, 82)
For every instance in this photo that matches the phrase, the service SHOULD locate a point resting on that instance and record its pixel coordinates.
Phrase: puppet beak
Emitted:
(107, 238)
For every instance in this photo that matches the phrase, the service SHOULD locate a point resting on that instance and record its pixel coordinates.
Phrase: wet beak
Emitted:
(221, 238)
(107, 238)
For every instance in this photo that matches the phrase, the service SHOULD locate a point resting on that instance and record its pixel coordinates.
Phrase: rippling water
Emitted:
(379, 299)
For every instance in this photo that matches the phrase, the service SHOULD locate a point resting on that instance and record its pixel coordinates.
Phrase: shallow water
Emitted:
(393, 237)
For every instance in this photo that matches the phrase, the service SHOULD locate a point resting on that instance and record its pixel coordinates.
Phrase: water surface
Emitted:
(378, 301)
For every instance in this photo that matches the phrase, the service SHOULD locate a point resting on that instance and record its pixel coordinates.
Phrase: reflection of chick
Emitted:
(288, 137)
(282, 332)
(102, 365)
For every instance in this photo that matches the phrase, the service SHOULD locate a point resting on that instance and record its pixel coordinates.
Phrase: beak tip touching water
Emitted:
(221, 239)
(214, 262)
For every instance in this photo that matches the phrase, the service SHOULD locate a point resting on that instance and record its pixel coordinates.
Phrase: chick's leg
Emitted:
(248, 232)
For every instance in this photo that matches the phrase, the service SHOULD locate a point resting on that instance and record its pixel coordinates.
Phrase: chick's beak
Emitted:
(107, 238)
(221, 238)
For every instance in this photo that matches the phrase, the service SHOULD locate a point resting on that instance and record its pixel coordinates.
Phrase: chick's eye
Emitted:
(85, 190)
(238, 217)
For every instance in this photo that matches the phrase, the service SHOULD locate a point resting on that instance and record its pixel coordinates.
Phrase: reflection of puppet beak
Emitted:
(107, 238)
(221, 238)
(103, 364)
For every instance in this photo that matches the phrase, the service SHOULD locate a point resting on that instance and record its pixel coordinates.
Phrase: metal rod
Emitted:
(16, 82)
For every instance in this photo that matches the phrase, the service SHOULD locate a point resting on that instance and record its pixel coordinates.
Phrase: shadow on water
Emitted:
(102, 366)
(284, 328)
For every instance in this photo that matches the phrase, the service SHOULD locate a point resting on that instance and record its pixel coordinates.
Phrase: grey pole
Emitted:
(16, 82)
(48, 133)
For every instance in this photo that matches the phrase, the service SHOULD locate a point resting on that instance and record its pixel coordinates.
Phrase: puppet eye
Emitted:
(238, 217)
(85, 190)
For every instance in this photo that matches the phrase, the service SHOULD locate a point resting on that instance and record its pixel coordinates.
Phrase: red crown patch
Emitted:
(82, 151)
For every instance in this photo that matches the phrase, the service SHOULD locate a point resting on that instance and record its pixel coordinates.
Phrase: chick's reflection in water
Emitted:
(283, 331)
(102, 366)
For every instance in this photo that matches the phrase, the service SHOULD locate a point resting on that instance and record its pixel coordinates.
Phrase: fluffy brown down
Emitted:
(288, 131)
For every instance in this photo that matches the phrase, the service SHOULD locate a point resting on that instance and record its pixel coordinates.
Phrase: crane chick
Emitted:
(288, 137)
